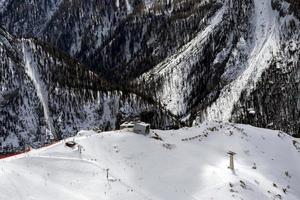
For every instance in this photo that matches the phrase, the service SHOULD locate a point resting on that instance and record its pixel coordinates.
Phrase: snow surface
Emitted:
(190, 164)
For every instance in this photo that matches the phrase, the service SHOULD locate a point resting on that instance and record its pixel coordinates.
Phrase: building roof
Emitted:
(143, 124)
(127, 123)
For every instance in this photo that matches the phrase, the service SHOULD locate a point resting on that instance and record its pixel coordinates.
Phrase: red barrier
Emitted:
(2, 156)
(8, 155)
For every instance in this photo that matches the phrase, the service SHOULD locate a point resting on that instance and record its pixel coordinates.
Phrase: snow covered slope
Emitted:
(189, 164)
(45, 94)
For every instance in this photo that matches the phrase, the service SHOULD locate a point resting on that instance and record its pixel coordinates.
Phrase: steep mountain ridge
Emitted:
(200, 60)
(46, 95)
(208, 77)
(266, 40)
(177, 77)
(128, 37)
(275, 100)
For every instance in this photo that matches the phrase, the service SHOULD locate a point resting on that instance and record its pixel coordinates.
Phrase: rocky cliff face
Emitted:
(199, 59)
(45, 95)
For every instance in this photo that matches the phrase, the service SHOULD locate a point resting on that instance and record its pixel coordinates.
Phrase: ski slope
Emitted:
(189, 164)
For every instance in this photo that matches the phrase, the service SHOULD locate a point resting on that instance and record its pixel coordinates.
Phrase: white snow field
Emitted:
(187, 164)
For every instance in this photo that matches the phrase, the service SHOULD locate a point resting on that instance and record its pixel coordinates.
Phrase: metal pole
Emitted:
(107, 173)
(231, 162)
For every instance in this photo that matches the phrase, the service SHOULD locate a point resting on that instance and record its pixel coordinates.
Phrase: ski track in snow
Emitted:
(144, 196)
(41, 93)
(266, 35)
